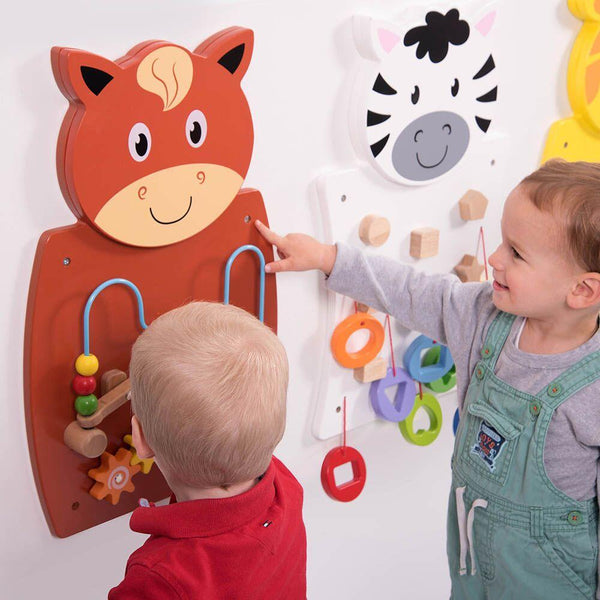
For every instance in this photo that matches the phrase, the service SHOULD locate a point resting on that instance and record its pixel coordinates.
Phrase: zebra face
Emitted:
(430, 145)
(429, 98)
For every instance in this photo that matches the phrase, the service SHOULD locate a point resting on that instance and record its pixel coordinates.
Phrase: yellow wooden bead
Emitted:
(86, 365)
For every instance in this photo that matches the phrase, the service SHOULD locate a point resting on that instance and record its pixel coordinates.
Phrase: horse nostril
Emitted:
(200, 176)
(447, 128)
(417, 135)
(142, 192)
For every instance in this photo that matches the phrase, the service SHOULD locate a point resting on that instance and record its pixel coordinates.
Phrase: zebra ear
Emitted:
(374, 39)
(485, 24)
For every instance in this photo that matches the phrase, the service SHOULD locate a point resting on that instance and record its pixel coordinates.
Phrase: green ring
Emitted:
(423, 437)
(445, 382)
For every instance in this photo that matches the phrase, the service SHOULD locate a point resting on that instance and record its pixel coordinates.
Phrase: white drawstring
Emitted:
(465, 529)
(470, 518)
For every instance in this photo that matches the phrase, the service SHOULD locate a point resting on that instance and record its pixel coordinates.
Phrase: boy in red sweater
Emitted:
(208, 393)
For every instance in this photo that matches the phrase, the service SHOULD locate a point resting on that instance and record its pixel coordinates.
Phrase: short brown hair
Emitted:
(209, 385)
(573, 190)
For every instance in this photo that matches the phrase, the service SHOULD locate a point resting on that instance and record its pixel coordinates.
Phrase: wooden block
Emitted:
(111, 379)
(376, 369)
(472, 205)
(468, 269)
(424, 242)
(361, 307)
(90, 443)
(374, 230)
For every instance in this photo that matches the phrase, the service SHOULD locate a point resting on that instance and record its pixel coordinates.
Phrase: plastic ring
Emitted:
(423, 437)
(351, 489)
(404, 399)
(342, 333)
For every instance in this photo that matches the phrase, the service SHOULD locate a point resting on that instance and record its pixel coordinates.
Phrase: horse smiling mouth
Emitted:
(176, 220)
(436, 164)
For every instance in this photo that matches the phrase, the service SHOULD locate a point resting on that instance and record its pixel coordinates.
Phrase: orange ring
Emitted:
(342, 333)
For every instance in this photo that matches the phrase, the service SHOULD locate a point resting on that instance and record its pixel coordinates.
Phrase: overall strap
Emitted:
(496, 338)
(571, 381)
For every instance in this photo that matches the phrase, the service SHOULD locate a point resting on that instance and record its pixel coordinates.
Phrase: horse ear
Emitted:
(374, 39)
(485, 24)
(81, 75)
(230, 48)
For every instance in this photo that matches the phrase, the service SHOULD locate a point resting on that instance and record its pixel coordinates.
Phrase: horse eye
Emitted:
(140, 142)
(414, 97)
(195, 128)
(454, 88)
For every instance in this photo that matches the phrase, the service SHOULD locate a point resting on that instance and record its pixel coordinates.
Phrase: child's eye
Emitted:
(515, 253)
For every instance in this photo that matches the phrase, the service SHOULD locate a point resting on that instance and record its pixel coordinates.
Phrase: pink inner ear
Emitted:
(485, 25)
(387, 39)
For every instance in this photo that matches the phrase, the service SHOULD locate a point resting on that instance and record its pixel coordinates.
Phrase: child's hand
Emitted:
(298, 252)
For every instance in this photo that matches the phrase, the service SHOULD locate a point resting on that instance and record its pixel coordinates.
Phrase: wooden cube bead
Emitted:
(361, 307)
(472, 206)
(374, 230)
(376, 369)
(424, 242)
(469, 269)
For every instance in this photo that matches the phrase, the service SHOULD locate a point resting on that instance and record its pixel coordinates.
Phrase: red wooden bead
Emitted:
(83, 386)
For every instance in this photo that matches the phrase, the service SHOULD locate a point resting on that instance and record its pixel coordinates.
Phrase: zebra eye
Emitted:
(454, 88)
(195, 128)
(139, 142)
(414, 97)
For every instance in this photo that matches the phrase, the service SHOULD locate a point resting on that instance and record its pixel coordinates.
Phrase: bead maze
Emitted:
(151, 158)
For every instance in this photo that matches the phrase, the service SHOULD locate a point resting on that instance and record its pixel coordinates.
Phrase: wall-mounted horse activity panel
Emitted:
(151, 157)
(422, 115)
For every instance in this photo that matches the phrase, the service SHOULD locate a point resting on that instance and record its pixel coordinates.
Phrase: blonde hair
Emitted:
(571, 189)
(209, 385)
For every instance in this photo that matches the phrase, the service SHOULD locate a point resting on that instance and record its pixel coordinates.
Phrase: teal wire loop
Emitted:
(261, 307)
(94, 295)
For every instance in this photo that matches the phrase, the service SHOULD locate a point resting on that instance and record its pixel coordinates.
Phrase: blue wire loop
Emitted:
(94, 295)
(236, 253)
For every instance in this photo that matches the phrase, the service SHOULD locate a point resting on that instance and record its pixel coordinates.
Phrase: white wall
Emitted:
(390, 542)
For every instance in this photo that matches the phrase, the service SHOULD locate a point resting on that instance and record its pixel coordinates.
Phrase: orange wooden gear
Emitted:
(113, 476)
(342, 333)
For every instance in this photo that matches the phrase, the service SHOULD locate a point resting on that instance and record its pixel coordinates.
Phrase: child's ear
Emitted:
(585, 292)
(140, 444)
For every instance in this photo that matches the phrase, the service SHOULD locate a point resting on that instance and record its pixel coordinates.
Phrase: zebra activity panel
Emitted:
(426, 91)
(151, 158)
(435, 75)
(578, 137)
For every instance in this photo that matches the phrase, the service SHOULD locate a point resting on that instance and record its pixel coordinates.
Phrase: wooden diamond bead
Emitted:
(468, 269)
(424, 242)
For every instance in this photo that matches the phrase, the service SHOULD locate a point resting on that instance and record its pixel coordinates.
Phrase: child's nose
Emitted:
(494, 259)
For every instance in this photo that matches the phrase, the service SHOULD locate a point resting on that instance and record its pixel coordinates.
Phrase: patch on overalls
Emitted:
(489, 445)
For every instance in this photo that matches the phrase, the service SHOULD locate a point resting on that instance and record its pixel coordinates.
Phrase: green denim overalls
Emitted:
(512, 535)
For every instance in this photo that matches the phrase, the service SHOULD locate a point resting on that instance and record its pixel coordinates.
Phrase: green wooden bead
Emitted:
(86, 405)
(447, 381)
(423, 437)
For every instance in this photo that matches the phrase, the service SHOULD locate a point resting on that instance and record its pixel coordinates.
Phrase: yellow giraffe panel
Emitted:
(578, 137)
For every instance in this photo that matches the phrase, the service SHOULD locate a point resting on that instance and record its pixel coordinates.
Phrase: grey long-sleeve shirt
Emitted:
(459, 315)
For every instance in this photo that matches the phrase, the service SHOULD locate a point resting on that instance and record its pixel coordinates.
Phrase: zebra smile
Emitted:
(437, 164)
(176, 220)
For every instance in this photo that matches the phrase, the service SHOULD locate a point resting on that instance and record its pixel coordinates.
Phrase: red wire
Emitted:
(355, 306)
(485, 263)
(387, 318)
(420, 390)
(344, 436)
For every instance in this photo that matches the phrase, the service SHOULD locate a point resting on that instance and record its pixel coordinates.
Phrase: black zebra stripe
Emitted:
(381, 86)
(377, 147)
(483, 124)
(490, 96)
(487, 67)
(374, 118)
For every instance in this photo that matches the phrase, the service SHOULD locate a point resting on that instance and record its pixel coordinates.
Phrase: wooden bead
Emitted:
(376, 369)
(90, 443)
(83, 386)
(86, 364)
(111, 379)
(374, 230)
(468, 269)
(472, 206)
(424, 242)
(86, 405)
(365, 308)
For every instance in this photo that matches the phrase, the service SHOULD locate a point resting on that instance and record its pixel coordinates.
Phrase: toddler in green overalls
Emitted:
(523, 510)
